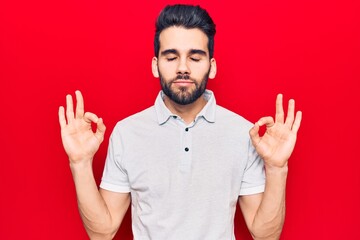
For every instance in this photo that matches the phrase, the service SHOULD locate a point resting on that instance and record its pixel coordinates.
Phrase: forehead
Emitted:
(183, 39)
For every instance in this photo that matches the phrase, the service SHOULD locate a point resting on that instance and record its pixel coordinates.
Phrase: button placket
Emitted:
(187, 134)
(186, 145)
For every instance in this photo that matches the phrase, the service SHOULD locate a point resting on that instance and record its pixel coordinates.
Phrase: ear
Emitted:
(154, 67)
(212, 73)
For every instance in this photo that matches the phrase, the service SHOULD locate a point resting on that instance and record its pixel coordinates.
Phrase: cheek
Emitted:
(199, 70)
(167, 69)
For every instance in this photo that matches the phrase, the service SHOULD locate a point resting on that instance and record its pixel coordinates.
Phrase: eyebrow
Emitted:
(197, 51)
(174, 51)
(168, 51)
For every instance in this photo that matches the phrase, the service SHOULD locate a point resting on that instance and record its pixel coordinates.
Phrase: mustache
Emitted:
(182, 76)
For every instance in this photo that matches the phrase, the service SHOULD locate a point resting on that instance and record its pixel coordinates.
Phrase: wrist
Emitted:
(272, 169)
(80, 165)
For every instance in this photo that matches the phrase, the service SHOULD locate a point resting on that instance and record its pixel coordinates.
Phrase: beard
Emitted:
(184, 95)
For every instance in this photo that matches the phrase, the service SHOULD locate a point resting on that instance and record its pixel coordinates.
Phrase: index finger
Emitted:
(79, 104)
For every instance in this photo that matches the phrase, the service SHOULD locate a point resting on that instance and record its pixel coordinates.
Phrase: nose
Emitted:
(183, 67)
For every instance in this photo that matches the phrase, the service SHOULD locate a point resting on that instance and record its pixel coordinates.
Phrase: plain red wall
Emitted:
(307, 50)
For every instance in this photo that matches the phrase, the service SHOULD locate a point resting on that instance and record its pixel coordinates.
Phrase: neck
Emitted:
(187, 112)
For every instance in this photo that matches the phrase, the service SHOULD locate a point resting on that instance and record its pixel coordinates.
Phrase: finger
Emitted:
(254, 134)
(279, 116)
(290, 114)
(90, 117)
(69, 108)
(297, 122)
(100, 130)
(79, 104)
(268, 121)
(62, 119)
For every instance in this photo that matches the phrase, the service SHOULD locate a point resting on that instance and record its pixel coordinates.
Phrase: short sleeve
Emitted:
(114, 177)
(254, 175)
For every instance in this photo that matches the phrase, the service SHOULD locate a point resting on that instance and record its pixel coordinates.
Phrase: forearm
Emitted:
(269, 219)
(93, 210)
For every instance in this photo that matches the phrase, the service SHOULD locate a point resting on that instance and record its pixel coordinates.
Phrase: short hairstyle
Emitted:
(187, 16)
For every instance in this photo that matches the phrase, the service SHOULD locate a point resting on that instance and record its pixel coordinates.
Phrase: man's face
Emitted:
(183, 65)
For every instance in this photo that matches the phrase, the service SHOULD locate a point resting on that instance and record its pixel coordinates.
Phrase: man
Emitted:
(186, 162)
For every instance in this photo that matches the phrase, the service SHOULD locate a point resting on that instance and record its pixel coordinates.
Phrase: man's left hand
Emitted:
(278, 142)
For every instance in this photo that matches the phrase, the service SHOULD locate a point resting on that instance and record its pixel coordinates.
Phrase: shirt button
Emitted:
(186, 149)
(186, 129)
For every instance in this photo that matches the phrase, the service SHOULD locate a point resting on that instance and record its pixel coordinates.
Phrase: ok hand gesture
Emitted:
(278, 142)
(80, 142)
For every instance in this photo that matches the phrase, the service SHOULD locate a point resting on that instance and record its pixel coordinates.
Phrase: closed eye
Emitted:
(195, 59)
(170, 59)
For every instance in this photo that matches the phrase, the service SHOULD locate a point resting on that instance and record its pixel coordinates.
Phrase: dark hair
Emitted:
(186, 16)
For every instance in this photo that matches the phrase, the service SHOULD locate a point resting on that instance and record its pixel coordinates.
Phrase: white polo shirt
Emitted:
(184, 180)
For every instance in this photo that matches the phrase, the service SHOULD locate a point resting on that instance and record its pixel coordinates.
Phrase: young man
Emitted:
(186, 162)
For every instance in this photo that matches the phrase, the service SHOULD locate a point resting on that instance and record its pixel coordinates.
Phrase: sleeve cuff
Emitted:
(252, 190)
(114, 188)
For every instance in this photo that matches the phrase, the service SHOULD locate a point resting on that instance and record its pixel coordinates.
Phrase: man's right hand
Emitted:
(79, 141)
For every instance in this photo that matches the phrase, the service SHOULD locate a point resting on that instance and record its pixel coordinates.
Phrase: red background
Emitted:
(307, 50)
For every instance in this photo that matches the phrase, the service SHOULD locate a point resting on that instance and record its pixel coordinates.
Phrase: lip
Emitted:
(183, 83)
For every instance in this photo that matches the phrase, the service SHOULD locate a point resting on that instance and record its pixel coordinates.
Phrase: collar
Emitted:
(208, 112)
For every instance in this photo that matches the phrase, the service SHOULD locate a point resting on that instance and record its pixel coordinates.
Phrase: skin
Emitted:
(102, 211)
(265, 213)
(182, 51)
